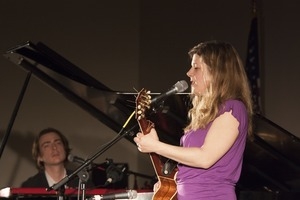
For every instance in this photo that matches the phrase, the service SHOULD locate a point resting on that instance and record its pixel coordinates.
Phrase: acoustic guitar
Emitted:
(167, 189)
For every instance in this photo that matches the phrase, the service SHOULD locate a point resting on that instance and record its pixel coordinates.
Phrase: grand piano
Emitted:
(271, 163)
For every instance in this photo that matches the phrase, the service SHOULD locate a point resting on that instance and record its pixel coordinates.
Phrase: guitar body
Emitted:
(167, 190)
(168, 187)
(166, 175)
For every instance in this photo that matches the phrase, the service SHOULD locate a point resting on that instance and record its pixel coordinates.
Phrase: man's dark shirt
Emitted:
(39, 180)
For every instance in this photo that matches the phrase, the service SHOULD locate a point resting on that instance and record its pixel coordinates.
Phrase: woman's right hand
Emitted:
(146, 143)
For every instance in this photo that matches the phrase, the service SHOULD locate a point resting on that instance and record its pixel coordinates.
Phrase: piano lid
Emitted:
(110, 107)
(271, 160)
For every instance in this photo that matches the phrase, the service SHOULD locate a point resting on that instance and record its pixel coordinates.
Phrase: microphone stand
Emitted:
(14, 114)
(60, 193)
(87, 162)
(83, 176)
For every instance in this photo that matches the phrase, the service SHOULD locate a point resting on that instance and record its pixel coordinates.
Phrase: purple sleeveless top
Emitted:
(217, 182)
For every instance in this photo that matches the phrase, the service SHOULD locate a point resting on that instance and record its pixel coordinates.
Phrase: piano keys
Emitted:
(70, 193)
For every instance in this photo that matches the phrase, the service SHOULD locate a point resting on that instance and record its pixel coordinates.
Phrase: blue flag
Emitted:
(252, 65)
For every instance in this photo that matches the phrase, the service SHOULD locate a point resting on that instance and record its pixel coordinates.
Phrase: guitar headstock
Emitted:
(143, 101)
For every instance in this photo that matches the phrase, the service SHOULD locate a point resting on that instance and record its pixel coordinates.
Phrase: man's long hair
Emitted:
(36, 148)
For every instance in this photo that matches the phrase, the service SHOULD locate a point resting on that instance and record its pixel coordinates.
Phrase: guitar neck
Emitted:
(165, 174)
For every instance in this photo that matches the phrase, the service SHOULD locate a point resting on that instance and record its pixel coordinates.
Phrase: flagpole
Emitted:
(254, 8)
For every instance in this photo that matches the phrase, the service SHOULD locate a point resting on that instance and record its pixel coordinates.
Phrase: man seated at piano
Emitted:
(50, 151)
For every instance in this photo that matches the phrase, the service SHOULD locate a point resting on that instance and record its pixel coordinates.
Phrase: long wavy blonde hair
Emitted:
(229, 81)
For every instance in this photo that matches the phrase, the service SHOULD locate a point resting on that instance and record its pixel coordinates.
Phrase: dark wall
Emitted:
(170, 28)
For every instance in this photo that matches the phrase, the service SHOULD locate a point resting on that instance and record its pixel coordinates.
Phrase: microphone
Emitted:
(130, 194)
(72, 158)
(180, 86)
(114, 174)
